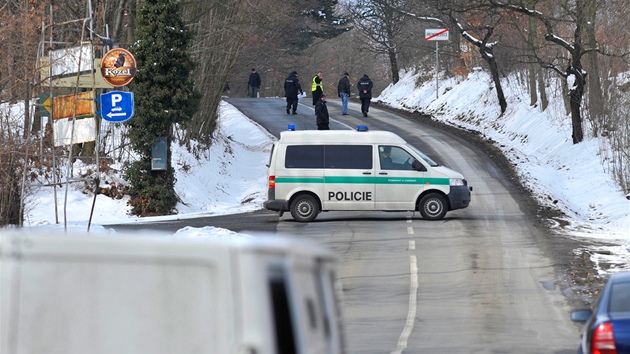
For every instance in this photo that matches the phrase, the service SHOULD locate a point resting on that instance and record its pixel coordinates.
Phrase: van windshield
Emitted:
(423, 156)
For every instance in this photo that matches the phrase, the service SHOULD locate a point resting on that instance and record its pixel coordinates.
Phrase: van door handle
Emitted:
(382, 173)
(367, 173)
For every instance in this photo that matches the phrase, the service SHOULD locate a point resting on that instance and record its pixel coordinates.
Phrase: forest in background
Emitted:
(585, 42)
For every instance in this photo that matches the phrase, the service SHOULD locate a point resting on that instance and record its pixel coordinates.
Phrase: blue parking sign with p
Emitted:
(117, 106)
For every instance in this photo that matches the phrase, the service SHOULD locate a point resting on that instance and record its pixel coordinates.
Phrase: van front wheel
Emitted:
(433, 207)
(304, 208)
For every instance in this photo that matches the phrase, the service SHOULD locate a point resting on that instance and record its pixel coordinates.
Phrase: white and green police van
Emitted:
(314, 171)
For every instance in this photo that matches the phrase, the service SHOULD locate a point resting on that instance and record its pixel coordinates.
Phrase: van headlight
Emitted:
(457, 182)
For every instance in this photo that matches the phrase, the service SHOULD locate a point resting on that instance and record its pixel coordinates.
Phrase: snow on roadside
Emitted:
(229, 177)
(561, 174)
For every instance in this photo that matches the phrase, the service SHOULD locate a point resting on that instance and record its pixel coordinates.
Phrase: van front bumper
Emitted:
(276, 205)
(459, 197)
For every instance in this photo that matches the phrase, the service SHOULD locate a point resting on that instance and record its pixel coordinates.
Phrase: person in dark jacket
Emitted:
(292, 89)
(317, 87)
(364, 85)
(343, 90)
(321, 111)
(254, 83)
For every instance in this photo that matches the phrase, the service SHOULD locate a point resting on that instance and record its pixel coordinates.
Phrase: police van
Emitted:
(314, 171)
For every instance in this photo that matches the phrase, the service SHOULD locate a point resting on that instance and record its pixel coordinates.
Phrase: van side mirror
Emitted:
(417, 166)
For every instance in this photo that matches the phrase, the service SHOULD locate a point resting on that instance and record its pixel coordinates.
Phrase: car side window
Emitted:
(619, 295)
(394, 158)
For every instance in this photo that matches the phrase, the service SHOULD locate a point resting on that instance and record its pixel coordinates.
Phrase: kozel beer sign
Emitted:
(118, 67)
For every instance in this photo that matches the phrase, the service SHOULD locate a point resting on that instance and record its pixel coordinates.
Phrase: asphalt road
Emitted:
(482, 280)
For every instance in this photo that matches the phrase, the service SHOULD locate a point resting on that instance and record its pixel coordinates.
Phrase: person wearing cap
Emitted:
(291, 90)
(343, 90)
(253, 84)
(364, 85)
(321, 112)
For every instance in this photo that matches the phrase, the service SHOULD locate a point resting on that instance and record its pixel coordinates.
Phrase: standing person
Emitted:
(365, 93)
(321, 111)
(291, 90)
(317, 87)
(254, 83)
(343, 89)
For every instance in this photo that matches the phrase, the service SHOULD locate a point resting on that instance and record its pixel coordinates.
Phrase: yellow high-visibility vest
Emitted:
(314, 85)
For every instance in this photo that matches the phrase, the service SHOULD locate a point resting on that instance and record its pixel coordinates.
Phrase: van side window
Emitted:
(349, 157)
(285, 339)
(304, 156)
(329, 156)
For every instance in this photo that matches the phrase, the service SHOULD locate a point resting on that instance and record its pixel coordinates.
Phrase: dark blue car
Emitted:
(607, 328)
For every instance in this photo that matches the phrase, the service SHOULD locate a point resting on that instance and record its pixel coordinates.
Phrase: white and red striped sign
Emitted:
(436, 34)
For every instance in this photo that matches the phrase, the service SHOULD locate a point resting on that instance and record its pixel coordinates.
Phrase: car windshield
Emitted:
(423, 156)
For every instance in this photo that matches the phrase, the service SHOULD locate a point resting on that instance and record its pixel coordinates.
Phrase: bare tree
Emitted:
(479, 35)
(19, 32)
(234, 36)
(219, 40)
(382, 24)
(578, 47)
(523, 42)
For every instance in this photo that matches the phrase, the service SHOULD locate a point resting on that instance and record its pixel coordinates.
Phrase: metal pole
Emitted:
(51, 120)
(436, 70)
(97, 180)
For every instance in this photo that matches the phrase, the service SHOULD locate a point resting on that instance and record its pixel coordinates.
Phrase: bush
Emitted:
(152, 192)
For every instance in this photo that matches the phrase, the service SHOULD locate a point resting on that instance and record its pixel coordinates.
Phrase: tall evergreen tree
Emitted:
(319, 21)
(164, 96)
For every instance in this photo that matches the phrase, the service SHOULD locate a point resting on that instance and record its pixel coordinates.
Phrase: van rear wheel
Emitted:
(304, 208)
(433, 206)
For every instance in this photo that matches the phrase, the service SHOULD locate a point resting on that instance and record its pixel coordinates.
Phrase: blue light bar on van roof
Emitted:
(292, 127)
(362, 128)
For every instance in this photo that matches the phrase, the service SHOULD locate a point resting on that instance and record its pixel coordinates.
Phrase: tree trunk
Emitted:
(544, 100)
(393, 61)
(566, 98)
(488, 56)
(531, 67)
(117, 31)
(576, 117)
(531, 78)
(597, 110)
(576, 94)
(27, 111)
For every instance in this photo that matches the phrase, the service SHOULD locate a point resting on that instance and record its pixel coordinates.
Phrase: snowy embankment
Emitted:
(539, 144)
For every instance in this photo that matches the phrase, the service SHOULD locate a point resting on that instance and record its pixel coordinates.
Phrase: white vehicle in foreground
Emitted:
(159, 295)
